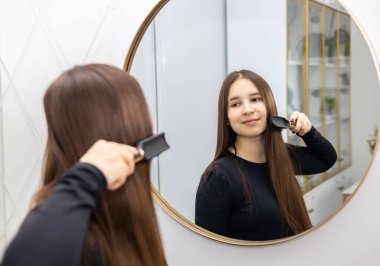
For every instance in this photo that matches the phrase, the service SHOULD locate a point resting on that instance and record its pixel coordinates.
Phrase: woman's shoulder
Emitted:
(221, 164)
(219, 168)
(215, 177)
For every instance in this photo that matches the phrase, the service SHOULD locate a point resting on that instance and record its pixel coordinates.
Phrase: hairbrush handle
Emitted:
(139, 156)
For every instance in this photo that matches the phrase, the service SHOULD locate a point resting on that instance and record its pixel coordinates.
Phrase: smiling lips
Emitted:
(250, 122)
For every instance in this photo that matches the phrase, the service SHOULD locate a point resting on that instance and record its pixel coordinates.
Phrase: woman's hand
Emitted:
(302, 123)
(114, 160)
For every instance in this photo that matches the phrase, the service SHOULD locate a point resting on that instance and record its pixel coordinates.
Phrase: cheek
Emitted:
(263, 109)
(233, 115)
(264, 113)
(230, 114)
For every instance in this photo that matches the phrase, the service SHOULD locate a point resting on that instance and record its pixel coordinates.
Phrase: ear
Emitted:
(228, 123)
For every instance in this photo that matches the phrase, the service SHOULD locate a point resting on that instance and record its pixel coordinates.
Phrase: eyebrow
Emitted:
(237, 97)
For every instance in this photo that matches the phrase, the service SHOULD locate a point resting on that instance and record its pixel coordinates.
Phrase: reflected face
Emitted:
(246, 110)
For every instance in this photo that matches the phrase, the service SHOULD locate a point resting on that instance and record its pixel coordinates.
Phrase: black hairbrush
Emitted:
(277, 123)
(151, 147)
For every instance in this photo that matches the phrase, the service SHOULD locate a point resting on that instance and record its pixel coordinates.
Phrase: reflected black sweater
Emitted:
(53, 233)
(221, 206)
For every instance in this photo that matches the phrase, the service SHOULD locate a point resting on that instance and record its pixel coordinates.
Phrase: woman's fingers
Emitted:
(127, 154)
(302, 123)
(114, 160)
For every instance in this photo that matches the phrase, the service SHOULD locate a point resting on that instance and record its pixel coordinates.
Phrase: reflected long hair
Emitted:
(282, 174)
(92, 102)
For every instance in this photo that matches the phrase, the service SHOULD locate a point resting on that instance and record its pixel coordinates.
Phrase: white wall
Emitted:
(38, 40)
(36, 43)
(365, 92)
(189, 74)
(257, 41)
(144, 69)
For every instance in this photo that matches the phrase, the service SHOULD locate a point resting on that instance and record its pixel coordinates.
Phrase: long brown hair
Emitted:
(282, 174)
(92, 102)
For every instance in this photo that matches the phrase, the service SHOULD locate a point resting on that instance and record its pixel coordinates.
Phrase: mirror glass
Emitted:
(311, 53)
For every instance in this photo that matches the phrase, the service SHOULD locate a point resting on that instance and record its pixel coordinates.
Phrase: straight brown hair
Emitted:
(92, 102)
(281, 171)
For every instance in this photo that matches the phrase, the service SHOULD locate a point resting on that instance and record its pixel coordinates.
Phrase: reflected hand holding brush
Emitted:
(299, 123)
(278, 123)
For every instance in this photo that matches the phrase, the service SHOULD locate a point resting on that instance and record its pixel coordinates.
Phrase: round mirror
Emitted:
(314, 58)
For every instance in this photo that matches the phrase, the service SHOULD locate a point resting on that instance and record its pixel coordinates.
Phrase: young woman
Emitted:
(76, 221)
(249, 191)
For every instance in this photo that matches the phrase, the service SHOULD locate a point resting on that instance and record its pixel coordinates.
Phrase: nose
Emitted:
(248, 108)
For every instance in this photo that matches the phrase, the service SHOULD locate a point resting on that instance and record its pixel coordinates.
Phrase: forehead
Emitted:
(242, 87)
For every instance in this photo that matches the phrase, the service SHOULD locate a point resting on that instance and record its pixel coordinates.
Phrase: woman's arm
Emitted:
(318, 156)
(213, 202)
(53, 232)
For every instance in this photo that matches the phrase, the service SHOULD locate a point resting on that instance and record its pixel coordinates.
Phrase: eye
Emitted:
(235, 104)
(256, 99)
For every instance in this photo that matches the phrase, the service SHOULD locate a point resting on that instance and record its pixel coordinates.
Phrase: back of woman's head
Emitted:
(92, 102)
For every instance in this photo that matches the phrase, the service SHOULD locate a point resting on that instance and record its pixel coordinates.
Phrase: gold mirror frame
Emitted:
(184, 221)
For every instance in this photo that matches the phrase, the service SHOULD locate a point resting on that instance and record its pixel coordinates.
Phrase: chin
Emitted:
(252, 134)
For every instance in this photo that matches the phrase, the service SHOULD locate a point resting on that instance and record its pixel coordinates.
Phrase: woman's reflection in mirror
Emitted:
(249, 191)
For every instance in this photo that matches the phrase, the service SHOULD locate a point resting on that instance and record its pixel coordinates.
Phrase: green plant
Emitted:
(330, 104)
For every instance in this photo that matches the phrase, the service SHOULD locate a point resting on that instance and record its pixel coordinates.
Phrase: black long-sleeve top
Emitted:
(221, 205)
(53, 233)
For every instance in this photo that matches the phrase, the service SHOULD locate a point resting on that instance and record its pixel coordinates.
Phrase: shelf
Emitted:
(330, 88)
(325, 69)
(332, 64)
(329, 120)
(344, 119)
(294, 63)
(316, 92)
(316, 63)
(350, 190)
